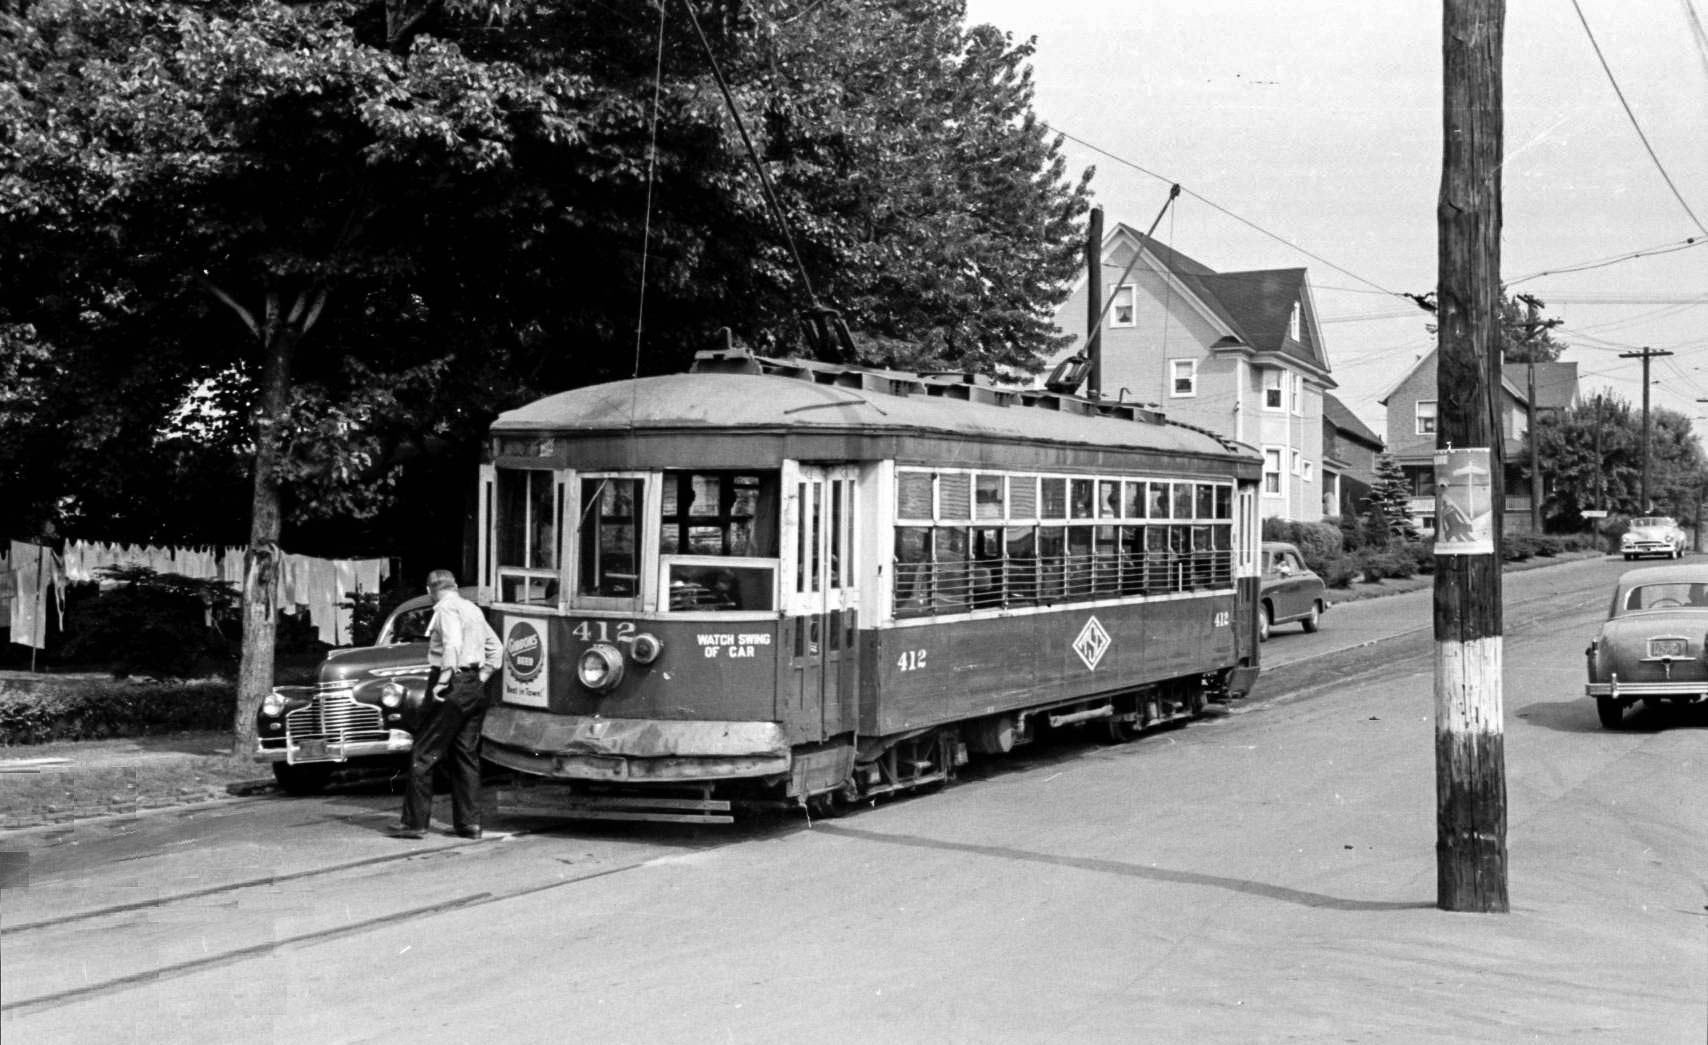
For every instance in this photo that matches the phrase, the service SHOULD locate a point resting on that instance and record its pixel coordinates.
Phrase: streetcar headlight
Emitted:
(645, 648)
(600, 667)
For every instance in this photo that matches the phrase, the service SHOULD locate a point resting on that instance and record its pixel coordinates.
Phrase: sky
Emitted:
(1307, 133)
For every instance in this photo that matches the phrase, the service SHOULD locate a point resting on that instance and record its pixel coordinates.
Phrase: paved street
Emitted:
(1269, 876)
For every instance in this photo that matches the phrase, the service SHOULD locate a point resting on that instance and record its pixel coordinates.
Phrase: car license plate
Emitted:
(599, 767)
(312, 751)
(1666, 647)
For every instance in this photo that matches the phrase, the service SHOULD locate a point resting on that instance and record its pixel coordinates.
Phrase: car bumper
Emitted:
(297, 752)
(1695, 691)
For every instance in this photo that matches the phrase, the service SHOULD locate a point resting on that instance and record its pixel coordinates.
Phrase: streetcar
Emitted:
(777, 582)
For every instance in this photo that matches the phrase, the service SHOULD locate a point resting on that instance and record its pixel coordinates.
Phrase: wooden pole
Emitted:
(1645, 355)
(1094, 302)
(1470, 760)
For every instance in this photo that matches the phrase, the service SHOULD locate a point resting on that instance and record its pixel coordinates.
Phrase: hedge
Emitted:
(94, 709)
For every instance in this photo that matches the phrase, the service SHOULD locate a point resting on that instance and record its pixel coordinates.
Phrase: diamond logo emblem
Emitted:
(1092, 643)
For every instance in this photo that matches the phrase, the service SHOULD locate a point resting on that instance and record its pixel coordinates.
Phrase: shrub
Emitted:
(83, 709)
(1318, 542)
(1339, 571)
(142, 622)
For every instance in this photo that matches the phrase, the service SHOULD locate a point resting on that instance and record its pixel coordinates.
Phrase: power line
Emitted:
(1218, 207)
(1585, 266)
(1633, 118)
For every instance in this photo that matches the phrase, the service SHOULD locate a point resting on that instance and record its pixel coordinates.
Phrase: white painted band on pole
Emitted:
(1464, 502)
(1468, 687)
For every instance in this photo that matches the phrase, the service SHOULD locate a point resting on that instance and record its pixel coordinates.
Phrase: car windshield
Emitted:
(1652, 523)
(1663, 596)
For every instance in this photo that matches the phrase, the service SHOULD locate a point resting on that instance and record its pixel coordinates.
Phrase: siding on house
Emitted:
(1231, 336)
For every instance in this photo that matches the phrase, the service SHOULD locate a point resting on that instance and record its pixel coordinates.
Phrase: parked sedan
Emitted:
(1653, 535)
(1653, 646)
(1290, 591)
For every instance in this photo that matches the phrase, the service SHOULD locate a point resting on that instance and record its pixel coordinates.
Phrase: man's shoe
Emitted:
(405, 831)
(468, 832)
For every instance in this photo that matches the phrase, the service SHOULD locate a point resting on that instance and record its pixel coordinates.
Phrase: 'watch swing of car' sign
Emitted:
(1464, 503)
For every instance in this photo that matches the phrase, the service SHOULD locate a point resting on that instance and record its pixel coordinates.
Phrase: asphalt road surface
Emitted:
(1267, 876)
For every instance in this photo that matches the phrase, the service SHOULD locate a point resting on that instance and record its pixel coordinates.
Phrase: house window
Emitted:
(1298, 462)
(1293, 322)
(1182, 377)
(1309, 473)
(1272, 389)
(1124, 311)
(1426, 417)
(1271, 470)
(1298, 394)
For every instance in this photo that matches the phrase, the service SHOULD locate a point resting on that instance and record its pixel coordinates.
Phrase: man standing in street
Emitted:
(463, 652)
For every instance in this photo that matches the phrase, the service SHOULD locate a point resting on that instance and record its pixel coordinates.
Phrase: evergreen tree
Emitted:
(1388, 508)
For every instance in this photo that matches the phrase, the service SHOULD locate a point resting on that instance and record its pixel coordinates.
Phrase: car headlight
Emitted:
(391, 695)
(272, 705)
(600, 667)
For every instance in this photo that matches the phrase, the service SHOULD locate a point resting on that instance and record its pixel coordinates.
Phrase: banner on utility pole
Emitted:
(1464, 502)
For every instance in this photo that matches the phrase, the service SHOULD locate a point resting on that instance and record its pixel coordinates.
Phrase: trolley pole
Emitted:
(1094, 302)
(1470, 754)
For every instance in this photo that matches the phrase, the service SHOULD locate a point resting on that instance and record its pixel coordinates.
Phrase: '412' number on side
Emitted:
(911, 660)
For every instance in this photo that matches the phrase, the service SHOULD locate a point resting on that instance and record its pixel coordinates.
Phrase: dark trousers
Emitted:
(452, 729)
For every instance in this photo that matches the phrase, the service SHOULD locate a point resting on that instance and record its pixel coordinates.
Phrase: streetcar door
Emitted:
(822, 615)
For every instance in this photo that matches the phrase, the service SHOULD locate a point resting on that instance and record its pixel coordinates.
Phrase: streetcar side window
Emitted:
(526, 527)
(610, 527)
(1038, 540)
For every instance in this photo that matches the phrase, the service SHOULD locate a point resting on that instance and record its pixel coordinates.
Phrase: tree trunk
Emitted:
(278, 336)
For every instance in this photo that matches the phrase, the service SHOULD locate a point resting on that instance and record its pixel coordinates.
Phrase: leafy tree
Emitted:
(1591, 457)
(298, 255)
(1524, 334)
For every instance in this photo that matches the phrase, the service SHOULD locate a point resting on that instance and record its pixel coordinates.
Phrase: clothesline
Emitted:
(320, 586)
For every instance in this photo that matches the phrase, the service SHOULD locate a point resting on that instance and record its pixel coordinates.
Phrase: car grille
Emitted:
(333, 715)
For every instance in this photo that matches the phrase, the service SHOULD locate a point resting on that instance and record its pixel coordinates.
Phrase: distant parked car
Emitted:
(1653, 535)
(363, 708)
(1653, 646)
(1290, 590)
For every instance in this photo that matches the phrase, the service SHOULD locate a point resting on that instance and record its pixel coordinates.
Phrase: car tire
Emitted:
(1314, 619)
(1610, 712)
(1627, 556)
(309, 779)
(1263, 622)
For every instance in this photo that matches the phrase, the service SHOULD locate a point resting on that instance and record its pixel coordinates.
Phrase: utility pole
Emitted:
(1645, 355)
(1470, 746)
(1094, 302)
(1533, 324)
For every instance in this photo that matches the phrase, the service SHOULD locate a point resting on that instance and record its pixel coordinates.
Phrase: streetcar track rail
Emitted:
(173, 970)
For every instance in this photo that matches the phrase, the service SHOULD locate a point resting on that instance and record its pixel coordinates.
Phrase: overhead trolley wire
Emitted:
(1633, 118)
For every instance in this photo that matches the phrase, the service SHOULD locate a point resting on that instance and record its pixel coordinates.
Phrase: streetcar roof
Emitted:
(795, 402)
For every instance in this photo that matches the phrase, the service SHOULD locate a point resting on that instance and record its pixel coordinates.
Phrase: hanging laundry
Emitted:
(28, 618)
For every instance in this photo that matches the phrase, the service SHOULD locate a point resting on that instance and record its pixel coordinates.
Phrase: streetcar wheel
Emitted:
(1263, 623)
(309, 779)
(1122, 730)
(1312, 622)
(1611, 713)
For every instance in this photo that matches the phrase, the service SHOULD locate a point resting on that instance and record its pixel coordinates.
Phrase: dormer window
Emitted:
(1293, 323)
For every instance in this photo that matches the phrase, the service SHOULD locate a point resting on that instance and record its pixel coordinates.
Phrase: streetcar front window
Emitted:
(525, 531)
(718, 540)
(610, 537)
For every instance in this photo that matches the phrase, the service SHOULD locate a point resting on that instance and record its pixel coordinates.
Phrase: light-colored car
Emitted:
(1653, 535)
(1290, 590)
(1652, 646)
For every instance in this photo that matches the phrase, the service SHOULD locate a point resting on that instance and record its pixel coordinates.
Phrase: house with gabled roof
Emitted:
(1413, 411)
(1350, 449)
(1238, 353)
